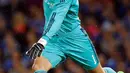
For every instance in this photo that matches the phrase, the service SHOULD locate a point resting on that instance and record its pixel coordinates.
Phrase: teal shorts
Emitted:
(75, 45)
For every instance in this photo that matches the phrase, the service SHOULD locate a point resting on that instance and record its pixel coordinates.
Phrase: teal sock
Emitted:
(40, 71)
(108, 70)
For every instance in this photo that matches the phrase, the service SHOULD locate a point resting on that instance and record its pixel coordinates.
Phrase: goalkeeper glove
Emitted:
(36, 50)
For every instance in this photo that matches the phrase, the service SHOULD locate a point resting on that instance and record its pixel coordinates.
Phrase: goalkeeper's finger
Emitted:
(35, 54)
(27, 53)
(40, 52)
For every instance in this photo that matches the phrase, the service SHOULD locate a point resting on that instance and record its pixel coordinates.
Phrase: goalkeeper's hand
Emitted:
(36, 49)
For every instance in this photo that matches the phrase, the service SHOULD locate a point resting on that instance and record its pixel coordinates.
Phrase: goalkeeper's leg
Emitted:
(81, 50)
(99, 69)
(41, 65)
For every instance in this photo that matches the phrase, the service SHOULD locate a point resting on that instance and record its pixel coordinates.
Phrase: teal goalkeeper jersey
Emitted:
(60, 16)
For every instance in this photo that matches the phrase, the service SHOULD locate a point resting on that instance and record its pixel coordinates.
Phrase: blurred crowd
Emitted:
(106, 21)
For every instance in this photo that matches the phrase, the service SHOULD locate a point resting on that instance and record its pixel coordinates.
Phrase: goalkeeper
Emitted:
(64, 37)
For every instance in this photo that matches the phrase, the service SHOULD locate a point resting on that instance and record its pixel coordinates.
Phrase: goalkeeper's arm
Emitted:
(56, 18)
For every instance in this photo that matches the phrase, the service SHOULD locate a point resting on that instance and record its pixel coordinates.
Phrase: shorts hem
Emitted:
(92, 67)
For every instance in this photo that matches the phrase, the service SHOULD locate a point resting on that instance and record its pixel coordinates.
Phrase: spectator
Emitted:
(20, 29)
(36, 20)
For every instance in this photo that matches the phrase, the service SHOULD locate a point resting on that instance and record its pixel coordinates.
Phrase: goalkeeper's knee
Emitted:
(108, 70)
(41, 63)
